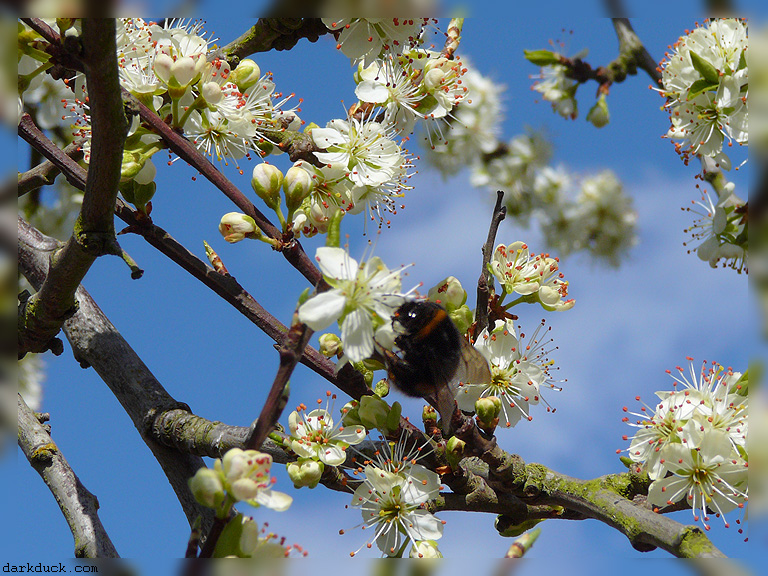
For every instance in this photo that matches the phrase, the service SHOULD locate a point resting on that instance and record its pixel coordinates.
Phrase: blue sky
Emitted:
(628, 325)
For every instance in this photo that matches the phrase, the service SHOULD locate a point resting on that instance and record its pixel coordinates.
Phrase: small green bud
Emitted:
(462, 317)
(429, 418)
(449, 293)
(382, 388)
(207, 488)
(298, 185)
(627, 461)
(305, 473)
(542, 57)
(488, 409)
(330, 345)
(454, 451)
(598, 114)
(266, 182)
(235, 227)
(246, 74)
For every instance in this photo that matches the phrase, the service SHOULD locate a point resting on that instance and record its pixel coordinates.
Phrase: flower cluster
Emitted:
(416, 84)
(365, 39)
(318, 441)
(600, 220)
(473, 126)
(706, 83)
(535, 277)
(518, 372)
(362, 299)
(241, 476)
(720, 229)
(693, 442)
(556, 87)
(243, 538)
(225, 113)
(391, 498)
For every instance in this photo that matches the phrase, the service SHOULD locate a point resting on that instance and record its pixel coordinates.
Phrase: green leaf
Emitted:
(228, 543)
(542, 57)
(393, 418)
(699, 87)
(704, 67)
(333, 239)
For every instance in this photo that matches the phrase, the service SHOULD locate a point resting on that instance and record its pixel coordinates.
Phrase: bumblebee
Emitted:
(434, 359)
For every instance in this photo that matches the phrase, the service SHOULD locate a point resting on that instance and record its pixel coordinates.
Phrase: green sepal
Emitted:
(700, 86)
(705, 68)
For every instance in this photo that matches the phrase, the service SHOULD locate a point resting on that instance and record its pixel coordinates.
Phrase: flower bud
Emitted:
(425, 549)
(454, 451)
(433, 78)
(184, 70)
(330, 345)
(212, 93)
(162, 66)
(246, 74)
(598, 114)
(266, 182)
(488, 409)
(305, 473)
(236, 227)
(297, 185)
(382, 388)
(462, 317)
(206, 487)
(449, 293)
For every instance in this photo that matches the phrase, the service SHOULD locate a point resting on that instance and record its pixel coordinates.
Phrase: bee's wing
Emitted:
(472, 368)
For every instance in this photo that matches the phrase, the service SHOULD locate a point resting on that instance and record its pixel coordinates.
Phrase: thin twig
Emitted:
(290, 353)
(77, 504)
(44, 174)
(483, 289)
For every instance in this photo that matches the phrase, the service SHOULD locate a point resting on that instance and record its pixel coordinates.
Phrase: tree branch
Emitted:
(273, 34)
(608, 499)
(77, 504)
(44, 174)
(96, 342)
(41, 317)
(631, 49)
